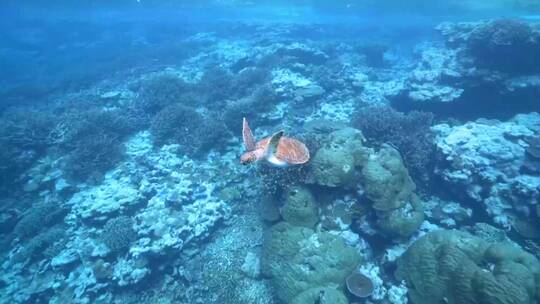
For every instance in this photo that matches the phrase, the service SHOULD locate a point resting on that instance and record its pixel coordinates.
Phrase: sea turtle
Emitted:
(277, 149)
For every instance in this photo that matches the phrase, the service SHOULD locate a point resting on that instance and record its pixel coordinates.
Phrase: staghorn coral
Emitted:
(26, 128)
(458, 268)
(179, 124)
(216, 87)
(92, 139)
(409, 133)
(161, 90)
(36, 218)
(252, 106)
(23, 138)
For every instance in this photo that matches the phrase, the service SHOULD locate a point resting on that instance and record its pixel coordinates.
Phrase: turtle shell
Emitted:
(289, 150)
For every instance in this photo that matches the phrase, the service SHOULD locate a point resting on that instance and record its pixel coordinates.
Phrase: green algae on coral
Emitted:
(321, 295)
(300, 208)
(386, 180)
(457, 268)
(401, 222)
(298, 259)
(334, 163)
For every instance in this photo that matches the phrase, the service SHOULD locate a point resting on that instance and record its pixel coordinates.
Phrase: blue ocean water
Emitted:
(304, 152)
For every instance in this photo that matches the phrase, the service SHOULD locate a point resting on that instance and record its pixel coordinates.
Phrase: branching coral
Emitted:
(161, 90)
(40, 244)
(262, 99)
(179, 124)
(23, 138)
(507, 45)
(118, 233)
(216, 86)
(93, 140)
(410, 133)
(37, 218)
(27, 129)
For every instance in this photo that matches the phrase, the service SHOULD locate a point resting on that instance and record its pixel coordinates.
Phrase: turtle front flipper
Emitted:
(249, 141)
(274, 142)
(272, 148)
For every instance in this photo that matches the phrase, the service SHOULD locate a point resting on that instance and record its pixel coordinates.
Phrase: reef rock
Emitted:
(483, 160)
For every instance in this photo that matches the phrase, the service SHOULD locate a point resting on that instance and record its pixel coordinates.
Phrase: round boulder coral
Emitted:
(334, 163)
(455, 267)
(300, 208)
(386, 180)
(297, 259)
(402, 222)
(321, 295)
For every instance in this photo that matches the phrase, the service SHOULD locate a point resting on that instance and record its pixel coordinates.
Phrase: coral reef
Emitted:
(505, 45)
(409, 133)
(172, 212)
(359, 285)
(300, 208)
(92, 138)
(24, 137)
(388, 185)
(483, 161)
(129, 189)
(183, 125)
(458, 267)
(118, 233)
(162, 89)
(298, 259)
(386, 180)
(252, 106)
(40, 216)
(334, 163)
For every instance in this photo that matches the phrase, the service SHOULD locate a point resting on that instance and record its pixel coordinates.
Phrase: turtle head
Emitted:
(248, 158)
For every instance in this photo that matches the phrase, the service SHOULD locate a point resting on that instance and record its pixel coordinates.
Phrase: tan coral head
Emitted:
(276, 150)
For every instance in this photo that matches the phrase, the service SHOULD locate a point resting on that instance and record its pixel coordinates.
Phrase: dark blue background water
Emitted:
(58, 45)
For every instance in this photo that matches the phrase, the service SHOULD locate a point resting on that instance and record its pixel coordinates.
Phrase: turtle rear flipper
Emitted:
(249, 141)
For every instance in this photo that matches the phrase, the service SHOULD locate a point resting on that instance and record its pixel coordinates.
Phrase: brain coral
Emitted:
(402, 222)
(386, 180)
(298, 259)
(321, 295)
(300, 207)
(334, 163)
(456, 267)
